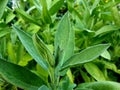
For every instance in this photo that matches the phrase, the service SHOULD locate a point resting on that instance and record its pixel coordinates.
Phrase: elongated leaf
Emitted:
(27, 42)
(3, 4)
(55, 7)
(106, 28)
(86, 55)
(94, 71)
(64, 39)
(19, 76)
(45, 14)
(28, 17)
(103, 85)
(43, 50)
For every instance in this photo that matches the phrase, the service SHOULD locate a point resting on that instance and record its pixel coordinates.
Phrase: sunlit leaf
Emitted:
(94, 71)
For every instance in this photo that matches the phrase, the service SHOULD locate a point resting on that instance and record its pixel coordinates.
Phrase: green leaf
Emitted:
(105, 29)
(45, 14)
(106, 55)
(103, 85)
(28, 17)
(3, 4)
(86, 55)
(4, 31)
(43, 50)
(94, 71)
(19, 76)
(64, 40)
(27, 42)
(43, 87)
(55, 7)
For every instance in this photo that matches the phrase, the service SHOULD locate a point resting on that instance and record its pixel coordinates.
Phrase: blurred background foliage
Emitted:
(94, 22)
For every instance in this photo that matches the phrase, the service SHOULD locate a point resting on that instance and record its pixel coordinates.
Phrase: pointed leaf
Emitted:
(27, 42)
(64, 39)
(94, 71)
(107, 28)
(86, 55)
(19, 76)
(103, 85)
(3, 4)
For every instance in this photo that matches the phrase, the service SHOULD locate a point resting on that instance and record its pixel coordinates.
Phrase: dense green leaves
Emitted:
(27, 41)
(64, 40)
(86, 55)
(19, 76)
(3, 4)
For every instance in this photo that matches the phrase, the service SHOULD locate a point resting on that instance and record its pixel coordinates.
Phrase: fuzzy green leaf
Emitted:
(64, 40)
(86, 55)
(27, 42)
(19, 76)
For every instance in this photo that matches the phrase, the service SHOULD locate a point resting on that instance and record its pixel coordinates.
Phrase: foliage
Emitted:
(59, 44)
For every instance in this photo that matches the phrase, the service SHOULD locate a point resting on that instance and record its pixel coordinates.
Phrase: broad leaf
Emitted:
(3, 4)
(27, 42)
(64, 40)
(94, 71)
(103, 85)
(86, 55)
(19, 76)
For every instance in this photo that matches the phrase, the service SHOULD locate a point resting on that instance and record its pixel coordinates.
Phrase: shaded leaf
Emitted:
(19, 76)
(28, 17)
(3, 4)
(86, 55)
(55, 7)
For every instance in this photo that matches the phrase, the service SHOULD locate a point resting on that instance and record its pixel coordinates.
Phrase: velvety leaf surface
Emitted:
(19, 76)
(27, 42)
(64, 40)
(86, 55)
